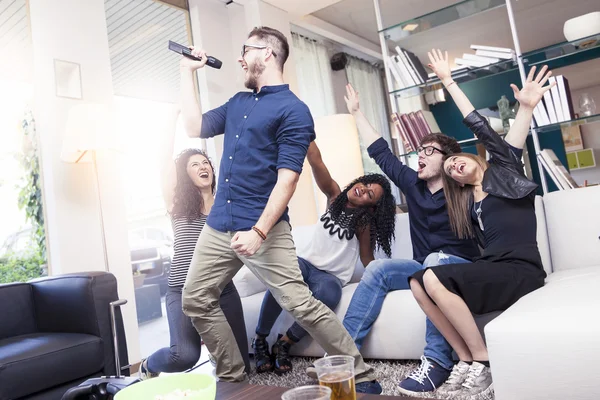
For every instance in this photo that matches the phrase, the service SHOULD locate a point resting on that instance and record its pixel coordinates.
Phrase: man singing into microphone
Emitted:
(267, 134)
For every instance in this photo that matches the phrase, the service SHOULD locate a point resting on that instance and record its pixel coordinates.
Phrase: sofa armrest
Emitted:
(80, 303)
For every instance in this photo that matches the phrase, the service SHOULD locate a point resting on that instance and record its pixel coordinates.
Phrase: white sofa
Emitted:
(398, 333)
(546, 346)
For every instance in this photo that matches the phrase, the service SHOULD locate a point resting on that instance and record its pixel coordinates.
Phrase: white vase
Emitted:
(582, 26)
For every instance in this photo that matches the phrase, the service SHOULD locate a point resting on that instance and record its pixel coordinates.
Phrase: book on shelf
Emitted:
(395, 72)
(413, 126)
(556, 100)
(504, 50)
(418, 128)
(496, 54)
(429, 121)
(413, 134)
(550, 172)
(406, 68)
(540, 114)
(408, 146)
(475, 57)
(565, 97)
(484, 56)
(471, 63)
(416, 65)
(404, 72)
(549, 104)
(571, 136)
(550, 159)
(411, 70)
(557, 104)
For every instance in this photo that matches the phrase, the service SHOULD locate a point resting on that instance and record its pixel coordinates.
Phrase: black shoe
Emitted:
(262, 355)
(281, 356)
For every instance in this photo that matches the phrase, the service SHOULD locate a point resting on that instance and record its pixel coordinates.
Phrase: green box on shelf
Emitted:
(572, 161)
(586, 158)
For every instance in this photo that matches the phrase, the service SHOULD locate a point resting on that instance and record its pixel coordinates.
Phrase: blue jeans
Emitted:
(184, 351)
(324, 287)
(383, 276)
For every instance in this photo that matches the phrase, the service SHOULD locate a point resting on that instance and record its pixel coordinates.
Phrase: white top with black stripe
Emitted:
(332, 248)
(186, 233)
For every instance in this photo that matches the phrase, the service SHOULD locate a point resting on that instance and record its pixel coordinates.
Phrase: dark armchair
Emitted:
(55, 333)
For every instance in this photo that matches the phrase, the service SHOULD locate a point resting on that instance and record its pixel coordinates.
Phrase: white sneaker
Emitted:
(312, 371)
(143, 373)
(453, 384)
(478, 380)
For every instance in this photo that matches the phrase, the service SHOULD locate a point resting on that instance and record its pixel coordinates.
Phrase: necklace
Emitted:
(478, 212)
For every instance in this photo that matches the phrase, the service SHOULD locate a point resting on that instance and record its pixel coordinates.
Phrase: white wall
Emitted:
(75, 31)
(590, 133)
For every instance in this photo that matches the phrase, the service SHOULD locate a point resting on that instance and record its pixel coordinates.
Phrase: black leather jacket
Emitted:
(505, 176)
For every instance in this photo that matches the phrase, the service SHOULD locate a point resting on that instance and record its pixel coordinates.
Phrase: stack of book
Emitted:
(557, 170)
(406, 68)
(484, 56)
(557, 105)
(412, 127)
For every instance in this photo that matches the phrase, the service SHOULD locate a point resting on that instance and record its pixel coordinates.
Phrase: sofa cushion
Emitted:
(33, 362)
(16, 309)
(247, 284)
(575, 274)
(546, 345)
(398, 333)
(573, 230)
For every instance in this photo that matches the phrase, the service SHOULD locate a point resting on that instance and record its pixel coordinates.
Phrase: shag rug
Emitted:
(389, 374)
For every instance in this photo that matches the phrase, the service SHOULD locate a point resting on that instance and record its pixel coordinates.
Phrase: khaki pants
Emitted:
(276, 264)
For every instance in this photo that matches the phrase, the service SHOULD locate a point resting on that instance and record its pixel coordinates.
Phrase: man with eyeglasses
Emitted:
(433, 243)
(267, 133)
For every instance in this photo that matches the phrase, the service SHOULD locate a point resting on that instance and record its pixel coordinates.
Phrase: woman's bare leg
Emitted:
(441, 322)
(455, 311)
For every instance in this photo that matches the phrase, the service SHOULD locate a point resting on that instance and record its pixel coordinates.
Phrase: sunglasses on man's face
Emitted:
(248, 47)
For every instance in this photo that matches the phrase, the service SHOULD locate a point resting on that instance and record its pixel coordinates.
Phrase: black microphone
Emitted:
(185, 51)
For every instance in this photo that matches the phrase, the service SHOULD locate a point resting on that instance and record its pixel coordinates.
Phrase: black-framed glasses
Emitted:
(247, 47)
(429, 150)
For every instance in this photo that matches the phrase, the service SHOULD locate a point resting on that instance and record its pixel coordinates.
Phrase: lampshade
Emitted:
(337, 138)
(90, 127)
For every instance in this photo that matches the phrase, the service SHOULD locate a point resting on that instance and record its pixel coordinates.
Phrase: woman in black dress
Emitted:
(493, 202)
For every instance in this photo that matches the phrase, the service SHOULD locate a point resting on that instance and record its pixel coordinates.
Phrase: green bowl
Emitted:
(148, 390)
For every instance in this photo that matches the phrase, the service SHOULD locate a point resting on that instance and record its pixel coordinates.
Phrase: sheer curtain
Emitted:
(367, 80)
(314, 75)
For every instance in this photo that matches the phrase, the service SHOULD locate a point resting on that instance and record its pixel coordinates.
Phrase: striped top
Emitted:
(186, 233)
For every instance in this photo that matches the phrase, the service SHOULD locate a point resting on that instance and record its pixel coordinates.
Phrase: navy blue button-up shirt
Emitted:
(264, 132)
(430, 229)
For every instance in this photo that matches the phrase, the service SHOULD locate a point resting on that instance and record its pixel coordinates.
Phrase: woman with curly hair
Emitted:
(188, 187)
(358, 220)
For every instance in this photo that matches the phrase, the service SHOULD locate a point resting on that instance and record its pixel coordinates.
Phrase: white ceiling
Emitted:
(138, 34)
(16, 52)
(303, 7)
